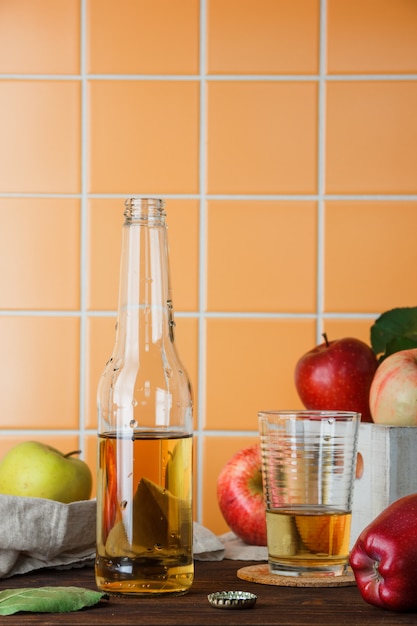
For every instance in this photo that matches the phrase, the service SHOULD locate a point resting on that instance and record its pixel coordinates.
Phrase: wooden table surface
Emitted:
(275, 605)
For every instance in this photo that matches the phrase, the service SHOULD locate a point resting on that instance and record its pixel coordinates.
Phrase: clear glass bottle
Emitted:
(144, 486)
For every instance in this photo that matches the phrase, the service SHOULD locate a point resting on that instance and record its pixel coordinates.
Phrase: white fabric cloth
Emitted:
(36, 533)
(238, 550)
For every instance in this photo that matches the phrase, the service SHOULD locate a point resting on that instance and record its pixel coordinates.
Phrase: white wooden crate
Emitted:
(389, 455)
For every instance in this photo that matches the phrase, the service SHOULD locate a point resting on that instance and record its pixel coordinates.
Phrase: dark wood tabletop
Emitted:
(275, 605)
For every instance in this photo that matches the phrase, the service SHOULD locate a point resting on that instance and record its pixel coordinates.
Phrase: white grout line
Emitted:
(202, 273)
(83, 226)
(224, 197)
(214, 77)
(321, 169)
(193, 315)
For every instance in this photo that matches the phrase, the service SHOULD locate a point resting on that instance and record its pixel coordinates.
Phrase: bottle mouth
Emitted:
(144, 209)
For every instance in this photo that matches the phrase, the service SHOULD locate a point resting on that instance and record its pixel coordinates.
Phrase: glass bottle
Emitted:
(144, 486)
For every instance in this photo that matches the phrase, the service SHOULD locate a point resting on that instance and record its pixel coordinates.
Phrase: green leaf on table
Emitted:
(47, 599)
(393, 331)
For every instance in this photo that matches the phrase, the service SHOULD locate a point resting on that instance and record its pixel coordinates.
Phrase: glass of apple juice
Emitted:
(308, 472)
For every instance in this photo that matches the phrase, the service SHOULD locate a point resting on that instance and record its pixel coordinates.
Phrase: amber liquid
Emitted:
(144, 515)
(308, 540)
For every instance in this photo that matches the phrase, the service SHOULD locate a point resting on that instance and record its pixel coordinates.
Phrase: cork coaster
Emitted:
(261, 574)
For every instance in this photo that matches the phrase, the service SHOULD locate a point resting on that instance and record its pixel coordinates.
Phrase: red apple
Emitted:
(384, 557)
(240, 496)
(337, 375)
(393, 393)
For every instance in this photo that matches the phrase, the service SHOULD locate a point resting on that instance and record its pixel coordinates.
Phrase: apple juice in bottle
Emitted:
(144, 483)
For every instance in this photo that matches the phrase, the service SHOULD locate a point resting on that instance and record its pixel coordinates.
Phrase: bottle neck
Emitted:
(145, 211)
(145, 306)
(144, 385)
(144, 271)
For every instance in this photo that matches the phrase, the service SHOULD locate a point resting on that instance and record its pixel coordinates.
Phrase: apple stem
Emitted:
(72, 453)
(324, 335)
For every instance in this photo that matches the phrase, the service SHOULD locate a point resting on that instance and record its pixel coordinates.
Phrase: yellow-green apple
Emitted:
(337, 375)
(240, 496)
(393, 393)
(36, 470)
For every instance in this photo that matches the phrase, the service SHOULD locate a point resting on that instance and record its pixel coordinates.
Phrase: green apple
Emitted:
(36, 470)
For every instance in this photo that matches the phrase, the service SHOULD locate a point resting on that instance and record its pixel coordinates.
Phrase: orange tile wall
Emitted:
(283, 136)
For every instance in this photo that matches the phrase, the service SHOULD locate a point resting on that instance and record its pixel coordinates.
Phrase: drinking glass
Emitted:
(308, 472)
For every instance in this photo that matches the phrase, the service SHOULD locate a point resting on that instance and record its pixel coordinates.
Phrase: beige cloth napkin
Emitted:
(238, 550)
(37, 533)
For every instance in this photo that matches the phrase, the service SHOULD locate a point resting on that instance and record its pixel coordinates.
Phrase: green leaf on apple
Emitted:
(393, 331)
